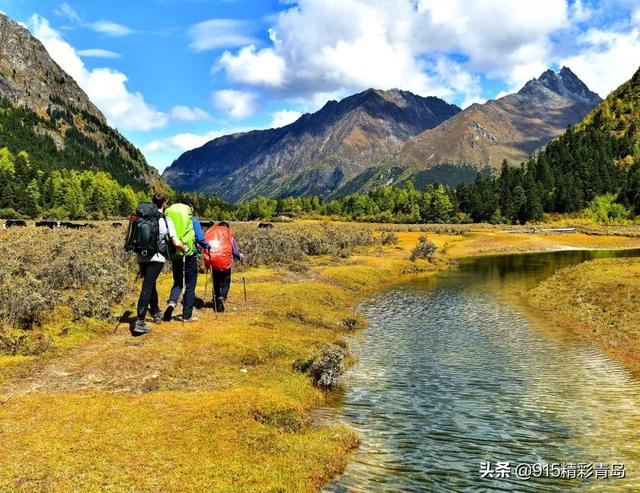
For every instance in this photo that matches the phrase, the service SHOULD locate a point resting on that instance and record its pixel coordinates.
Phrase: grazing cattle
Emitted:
(14, 222)
(47, 224)
(265, 225)
(116, 225)
(68, 225)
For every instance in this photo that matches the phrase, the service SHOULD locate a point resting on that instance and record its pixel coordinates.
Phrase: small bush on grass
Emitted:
(425, 249)
(325, 365)
(388, 238)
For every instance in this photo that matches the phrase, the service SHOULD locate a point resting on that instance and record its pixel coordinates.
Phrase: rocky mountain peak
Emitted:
(29, 77)
(564, 83)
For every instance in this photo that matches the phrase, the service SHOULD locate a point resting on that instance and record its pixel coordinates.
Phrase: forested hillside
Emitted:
(71, 181)
(599, 156)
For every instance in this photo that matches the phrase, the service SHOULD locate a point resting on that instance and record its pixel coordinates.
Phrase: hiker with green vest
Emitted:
(185, 265)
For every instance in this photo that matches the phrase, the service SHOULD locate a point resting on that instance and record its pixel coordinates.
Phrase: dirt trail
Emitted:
(117, 363)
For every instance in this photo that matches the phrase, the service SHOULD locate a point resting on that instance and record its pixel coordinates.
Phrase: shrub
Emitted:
(10, 213)
(41, 269)
(605, 209)
(388, 238)
(325, 366)
(425, 249)
(288, 244)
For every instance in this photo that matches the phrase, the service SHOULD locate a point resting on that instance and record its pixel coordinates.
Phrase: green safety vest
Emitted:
(181, 215)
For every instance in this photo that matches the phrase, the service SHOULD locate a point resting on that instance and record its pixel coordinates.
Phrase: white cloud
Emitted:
(110, 28)
(251, 67)
(162, 152)
(218, 33)
(105, 87)
(328, 46)
(580, 13)
(606, 59)
(98, 53)
(66, 10)
(185, 141)
(284, 117)
(500, 37)
(187, 114)
(237, 104)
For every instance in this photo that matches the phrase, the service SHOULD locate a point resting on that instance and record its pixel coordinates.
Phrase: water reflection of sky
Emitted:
(452, 372)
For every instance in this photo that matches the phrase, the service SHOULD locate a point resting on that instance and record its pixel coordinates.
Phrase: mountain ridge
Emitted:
(371, 138)
(314, 154)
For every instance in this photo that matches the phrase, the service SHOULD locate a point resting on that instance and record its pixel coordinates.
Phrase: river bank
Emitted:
(599, 301)
(215, 405)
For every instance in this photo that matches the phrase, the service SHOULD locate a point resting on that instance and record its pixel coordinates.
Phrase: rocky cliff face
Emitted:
(511, 127)
(29, 77)
(313, 155)
(63, 112)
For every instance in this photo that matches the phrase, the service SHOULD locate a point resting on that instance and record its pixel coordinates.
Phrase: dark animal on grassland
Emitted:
(68, 225)
(116, 225)
(14, 222)
(47, 224)
(265, 225)
(207, 224)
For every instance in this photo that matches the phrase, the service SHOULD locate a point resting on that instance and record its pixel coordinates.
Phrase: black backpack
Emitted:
(143, 234)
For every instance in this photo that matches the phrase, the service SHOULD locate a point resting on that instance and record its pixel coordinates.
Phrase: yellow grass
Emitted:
(213, 405)
(209, 406)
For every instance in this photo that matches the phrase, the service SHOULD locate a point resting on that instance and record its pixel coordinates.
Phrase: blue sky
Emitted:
(172, 74)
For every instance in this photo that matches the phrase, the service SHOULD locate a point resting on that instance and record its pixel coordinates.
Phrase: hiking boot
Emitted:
(220, 304)
(157, 317)
(192, 318)
(141, 327)
(169, 311)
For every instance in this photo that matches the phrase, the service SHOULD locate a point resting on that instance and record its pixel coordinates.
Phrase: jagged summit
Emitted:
(564, 83)
(511, 127)
(29, 76)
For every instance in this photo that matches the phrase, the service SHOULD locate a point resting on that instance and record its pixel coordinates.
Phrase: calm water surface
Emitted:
(457, 370)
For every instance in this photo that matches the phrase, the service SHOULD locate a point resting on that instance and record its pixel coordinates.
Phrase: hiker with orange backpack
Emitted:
(223, 249)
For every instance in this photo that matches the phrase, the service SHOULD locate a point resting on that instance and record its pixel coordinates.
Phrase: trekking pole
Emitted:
(244, 282)
(206, 271)
(213, 295)
(184, 284)
(131, 291)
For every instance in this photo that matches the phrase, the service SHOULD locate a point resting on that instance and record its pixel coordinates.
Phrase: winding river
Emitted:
(457, 370)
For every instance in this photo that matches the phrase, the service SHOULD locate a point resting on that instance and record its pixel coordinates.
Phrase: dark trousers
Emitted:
(149, 271)
(221, 283)
(189, 267)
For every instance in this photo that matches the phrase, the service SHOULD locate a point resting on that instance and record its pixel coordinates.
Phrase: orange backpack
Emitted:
(220, 256)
